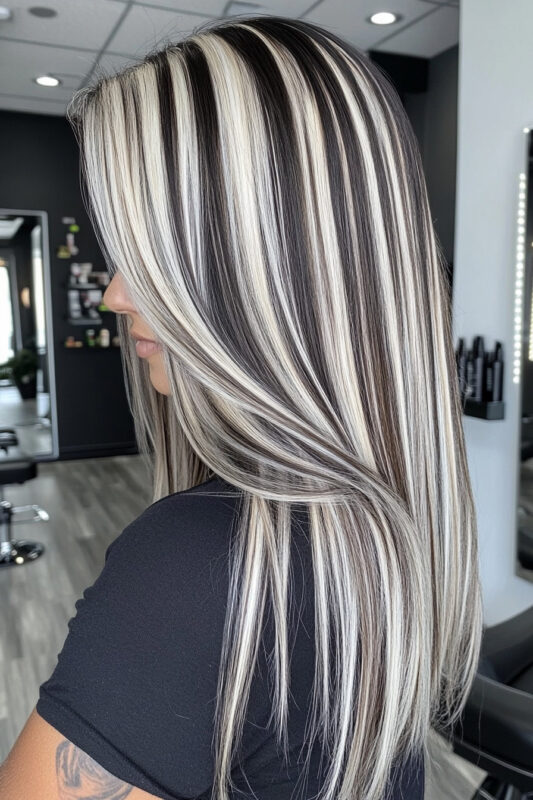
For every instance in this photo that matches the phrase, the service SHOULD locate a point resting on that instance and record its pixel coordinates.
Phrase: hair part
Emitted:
(260, 188)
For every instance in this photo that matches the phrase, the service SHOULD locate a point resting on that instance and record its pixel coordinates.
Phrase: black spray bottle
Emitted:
(460, 358)
(479, 364)
(497, 372)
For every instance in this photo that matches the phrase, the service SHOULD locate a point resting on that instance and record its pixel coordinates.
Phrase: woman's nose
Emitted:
(116, 297)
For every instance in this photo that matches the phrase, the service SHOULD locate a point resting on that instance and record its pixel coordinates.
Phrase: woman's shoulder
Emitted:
(189, 524)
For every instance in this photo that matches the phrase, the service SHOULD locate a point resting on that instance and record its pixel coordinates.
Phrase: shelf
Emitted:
(86, 286)
(89, 347)
(82, 321)
(484, 409)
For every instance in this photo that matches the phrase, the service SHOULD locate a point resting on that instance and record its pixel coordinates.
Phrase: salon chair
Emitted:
(495, 731)
(525, 519)
(16, 467)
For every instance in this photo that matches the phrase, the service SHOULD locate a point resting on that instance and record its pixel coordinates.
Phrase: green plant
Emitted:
(21, 367)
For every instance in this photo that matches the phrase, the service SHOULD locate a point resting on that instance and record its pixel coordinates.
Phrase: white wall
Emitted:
(495, 103)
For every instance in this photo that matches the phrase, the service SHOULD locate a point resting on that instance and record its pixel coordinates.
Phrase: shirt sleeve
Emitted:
(135, 683)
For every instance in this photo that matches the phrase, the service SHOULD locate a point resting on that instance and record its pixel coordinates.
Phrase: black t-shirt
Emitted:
(135, 684)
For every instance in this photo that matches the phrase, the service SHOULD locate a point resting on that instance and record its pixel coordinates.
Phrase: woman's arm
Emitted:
(43, 765)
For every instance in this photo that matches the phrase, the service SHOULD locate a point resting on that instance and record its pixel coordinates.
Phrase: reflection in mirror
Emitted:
(524, 566)
(27, 385)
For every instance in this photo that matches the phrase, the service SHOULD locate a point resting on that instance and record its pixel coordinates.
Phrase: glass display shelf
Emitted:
(90, 347)
(86, 286)
(85, 321)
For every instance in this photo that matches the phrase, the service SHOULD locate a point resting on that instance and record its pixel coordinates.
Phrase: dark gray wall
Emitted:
(433, 115)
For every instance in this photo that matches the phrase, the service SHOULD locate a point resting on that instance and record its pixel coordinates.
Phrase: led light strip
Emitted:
(519, 275)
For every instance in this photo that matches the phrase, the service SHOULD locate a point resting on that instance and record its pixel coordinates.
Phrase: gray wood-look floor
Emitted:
(90, 501)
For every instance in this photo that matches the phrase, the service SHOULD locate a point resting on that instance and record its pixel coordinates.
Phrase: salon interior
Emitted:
(71, 475)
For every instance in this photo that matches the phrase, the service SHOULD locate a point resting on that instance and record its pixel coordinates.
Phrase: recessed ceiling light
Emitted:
(47, 80)
(5, 13)
(384, 18)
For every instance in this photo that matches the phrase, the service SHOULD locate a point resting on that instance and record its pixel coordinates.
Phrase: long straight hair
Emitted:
(260, 189)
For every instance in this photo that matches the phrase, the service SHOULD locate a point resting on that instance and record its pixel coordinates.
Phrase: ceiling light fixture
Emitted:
(5, 13)
(47, 80)
(384, 18)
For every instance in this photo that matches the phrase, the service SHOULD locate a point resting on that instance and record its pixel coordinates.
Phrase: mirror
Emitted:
(27, 376)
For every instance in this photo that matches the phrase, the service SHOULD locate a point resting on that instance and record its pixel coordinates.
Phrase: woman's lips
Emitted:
(145, 347)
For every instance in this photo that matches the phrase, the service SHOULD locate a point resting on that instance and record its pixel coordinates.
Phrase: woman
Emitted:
(258, 195)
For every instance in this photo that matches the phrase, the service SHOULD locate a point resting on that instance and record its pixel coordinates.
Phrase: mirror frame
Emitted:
(50, 341)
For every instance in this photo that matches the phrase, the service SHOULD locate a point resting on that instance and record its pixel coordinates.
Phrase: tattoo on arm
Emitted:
(79, 777)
